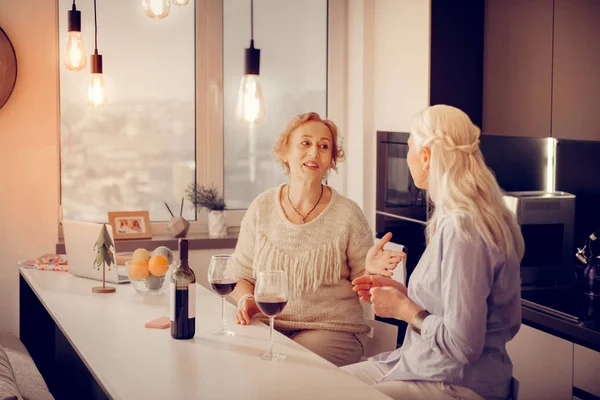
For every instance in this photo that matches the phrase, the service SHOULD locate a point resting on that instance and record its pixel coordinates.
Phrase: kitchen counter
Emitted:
(564, 312)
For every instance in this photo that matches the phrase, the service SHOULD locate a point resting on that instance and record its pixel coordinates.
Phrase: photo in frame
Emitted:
(130, 224)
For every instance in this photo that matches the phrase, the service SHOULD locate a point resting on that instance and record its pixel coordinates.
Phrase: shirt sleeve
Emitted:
(244, 249)
(467, 279)
(359, 243)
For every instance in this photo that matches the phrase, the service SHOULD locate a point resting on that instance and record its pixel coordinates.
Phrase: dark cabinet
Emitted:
(517, 67)
(541, 70)
(576, 76)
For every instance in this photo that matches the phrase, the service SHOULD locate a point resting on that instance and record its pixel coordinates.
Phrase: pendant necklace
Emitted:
(311, 210)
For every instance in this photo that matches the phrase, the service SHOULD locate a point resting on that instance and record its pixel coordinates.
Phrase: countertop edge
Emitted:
(577, 333)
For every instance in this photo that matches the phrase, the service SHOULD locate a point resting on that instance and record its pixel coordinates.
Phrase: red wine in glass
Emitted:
(271, 294)
(271, 307)
(223, 286)
(223, 279)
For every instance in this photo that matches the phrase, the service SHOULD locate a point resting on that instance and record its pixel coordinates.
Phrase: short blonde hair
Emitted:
(281, 144)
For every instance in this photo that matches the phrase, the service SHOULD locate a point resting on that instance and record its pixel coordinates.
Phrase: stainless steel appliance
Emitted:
(547, 222)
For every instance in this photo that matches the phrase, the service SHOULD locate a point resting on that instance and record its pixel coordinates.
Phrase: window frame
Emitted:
(209, 103)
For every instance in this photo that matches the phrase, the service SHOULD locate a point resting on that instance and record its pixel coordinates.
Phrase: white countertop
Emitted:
(133, 362)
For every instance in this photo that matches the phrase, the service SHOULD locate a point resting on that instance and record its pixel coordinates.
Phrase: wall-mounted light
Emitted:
(180, 3)
(551, 165)
(250, 107)
(96, 88)
(157, 9)
(75, 59)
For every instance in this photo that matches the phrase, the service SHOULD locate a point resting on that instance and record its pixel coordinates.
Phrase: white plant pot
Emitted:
(217, 224)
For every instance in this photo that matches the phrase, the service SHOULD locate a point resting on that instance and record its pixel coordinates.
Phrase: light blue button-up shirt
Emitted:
(473, 293)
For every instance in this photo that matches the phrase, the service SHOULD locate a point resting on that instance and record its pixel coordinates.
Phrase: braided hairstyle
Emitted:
(460, 185)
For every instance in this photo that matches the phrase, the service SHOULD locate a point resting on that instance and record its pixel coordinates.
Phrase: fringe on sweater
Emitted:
(322, 265)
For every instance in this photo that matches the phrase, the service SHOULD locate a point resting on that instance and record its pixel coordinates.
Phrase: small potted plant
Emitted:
(208, 197)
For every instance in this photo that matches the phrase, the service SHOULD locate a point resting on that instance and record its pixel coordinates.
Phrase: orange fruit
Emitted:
(140, 255)
(138, 270)
(158, 265)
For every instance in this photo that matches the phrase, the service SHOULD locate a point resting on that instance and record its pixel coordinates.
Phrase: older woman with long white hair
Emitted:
(463, 301)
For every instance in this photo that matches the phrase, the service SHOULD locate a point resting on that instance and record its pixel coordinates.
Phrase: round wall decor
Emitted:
(8, 68)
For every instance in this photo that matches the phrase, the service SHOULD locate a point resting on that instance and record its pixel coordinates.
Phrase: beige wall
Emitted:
(387, 83)
(29, 170)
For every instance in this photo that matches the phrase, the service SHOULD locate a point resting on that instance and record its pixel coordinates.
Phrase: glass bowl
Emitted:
(152, 284)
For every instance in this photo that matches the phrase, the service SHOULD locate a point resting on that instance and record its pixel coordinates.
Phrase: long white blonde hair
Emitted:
(461, 186)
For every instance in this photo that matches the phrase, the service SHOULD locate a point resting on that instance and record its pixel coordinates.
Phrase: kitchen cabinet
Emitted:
(586, 370)
(517, 68)
(576, 75)
(542, 363)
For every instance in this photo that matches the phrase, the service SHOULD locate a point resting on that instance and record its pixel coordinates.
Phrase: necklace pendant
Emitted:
(303, 221)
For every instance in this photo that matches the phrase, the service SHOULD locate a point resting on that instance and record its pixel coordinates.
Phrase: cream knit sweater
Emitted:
(320, 257)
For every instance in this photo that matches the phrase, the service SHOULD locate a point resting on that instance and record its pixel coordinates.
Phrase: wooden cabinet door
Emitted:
(576, 76)
(517, 67)
(542, 363)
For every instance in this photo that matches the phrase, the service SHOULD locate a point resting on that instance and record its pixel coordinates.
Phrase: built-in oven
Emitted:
(396, 191)
(401, 207)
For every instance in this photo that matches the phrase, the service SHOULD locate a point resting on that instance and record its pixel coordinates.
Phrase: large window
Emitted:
(292, 37)
(172, 86)
(138, 150)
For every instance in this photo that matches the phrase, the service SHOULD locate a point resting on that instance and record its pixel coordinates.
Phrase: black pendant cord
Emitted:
(311, 210)
(95, 30)
(251, 20)
(73, 3)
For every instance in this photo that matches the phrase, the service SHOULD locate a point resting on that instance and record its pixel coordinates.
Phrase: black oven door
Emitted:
(396, 190)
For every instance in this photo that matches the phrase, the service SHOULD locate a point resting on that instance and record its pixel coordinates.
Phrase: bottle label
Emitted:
(192, 301)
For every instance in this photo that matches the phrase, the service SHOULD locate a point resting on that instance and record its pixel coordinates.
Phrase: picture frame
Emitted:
(130, 224)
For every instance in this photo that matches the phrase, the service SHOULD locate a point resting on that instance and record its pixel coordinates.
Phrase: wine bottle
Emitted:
(183, 297)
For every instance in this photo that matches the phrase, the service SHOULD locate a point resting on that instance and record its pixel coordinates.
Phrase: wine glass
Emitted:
(271, 293)
(222, 279)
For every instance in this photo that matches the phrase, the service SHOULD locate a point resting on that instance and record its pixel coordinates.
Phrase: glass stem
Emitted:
(223, 313)
(271, 319)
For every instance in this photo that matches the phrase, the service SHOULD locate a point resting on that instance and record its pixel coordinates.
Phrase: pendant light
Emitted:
(250, 108)
(75, 59)
(157, 9)
(180, 3)
(96, 89)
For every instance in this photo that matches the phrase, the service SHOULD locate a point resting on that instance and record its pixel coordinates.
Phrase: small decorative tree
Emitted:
(105, 255)
(205, 197)
(209, 198)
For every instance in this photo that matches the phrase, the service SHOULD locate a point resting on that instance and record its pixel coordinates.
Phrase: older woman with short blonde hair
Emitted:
(320, 238)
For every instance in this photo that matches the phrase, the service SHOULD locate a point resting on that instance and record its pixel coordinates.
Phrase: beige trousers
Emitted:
(339, 348)
(370, 372)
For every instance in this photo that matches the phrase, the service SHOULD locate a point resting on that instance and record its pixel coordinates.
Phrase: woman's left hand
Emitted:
(389, 302)
(380, 261)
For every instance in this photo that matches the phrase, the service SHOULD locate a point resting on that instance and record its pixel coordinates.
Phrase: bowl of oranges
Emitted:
(150, 272)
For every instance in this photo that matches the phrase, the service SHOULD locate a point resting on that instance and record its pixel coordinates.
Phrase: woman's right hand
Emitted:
(247, 309)
(363, 284)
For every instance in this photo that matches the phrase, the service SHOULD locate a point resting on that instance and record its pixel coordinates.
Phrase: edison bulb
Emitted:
(96, 91)
(180, 3)
(156, 9)
(250, 107)
(75, 59)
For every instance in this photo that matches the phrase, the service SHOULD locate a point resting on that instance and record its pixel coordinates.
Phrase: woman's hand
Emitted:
(363, 284)
(380, 261)
(389, 302)
(246, 311)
